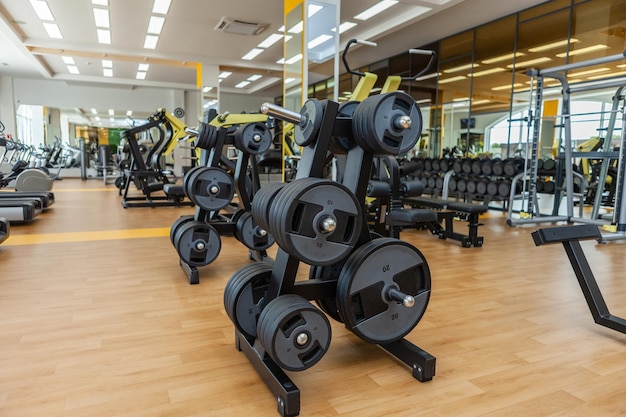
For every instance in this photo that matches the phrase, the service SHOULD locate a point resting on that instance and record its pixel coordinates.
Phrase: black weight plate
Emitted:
(457, 166)
(510, 168)
(439, 183)
(486, 166)
(188, 179)
(470, 186)
(197, 243)
(368, 274)
(497, 167)
(375, 123)
(207, 136)
(452, 184)
(253, 138)
(481, 187)
(504, 189)
(436, 165)
(549, 165)
(244, 296)
(431, 183)
(492, 188)
(428, 164)
(177, 223)
(252, 235)
(461, 185)
(294, 333)
(477, 167)
(466, 166)
(444, 165)
(262, 201)
(296, 217)
(306, 131)
(211, 188)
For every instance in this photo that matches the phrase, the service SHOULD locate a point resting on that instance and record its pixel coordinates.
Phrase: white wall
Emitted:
(237, 103)
(7, 106)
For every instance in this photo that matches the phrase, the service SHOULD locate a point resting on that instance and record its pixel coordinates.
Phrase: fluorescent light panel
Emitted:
(151, 42)
(107, 63)
(252, 54)
(161, 6)
(111, 112)
(140, 75)
(612, 74)
(294, 59)
(459, 68)
(129, 113)
(254, 77)
(101, 17)
(583, 51)
(588, 72)
(345, 26)
(225, 74)
(450, 80)
(73, 69)
(107, 72)
(501, 58)
(242, 84)
(314, 8)
(289, 80)
(155, 26)
(143, 67)
(506, 87)
(68, 60)
(53, 30)
(104, 36)
(375, 9)
(42, 9)
(297, 28)
(100, 2)
(530, 62)
(486, 72)
(270, 40)
(94, 111)
(552, 45)
(318, 41)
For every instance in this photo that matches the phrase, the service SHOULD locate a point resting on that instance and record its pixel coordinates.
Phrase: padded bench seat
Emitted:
(409, 217)
(447, 211)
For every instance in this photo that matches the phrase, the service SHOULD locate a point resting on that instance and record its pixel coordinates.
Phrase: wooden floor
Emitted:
(97, 319)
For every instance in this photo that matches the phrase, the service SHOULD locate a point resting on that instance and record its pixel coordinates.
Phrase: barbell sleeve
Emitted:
(281, 113)
(405, 299)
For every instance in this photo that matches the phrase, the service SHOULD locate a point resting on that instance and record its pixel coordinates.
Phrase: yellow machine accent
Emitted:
(364, 87)
(392, 83)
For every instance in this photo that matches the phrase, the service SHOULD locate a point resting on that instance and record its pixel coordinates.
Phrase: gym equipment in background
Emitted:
(379, 288)
(5, 229)
(212, 186)
(570, 236)
(147, 173)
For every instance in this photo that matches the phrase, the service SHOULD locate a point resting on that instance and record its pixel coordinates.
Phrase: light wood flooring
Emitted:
(98, 320)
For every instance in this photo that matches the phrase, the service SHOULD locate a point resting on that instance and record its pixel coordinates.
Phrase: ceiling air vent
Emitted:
(229, 25)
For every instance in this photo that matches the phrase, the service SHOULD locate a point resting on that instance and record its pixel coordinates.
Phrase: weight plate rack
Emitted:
(322, 224)
(212, 187)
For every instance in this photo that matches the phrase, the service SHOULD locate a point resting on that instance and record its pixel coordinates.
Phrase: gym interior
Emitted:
(316, 208)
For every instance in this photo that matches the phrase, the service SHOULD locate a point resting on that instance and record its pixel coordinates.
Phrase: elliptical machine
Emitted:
(26, 179)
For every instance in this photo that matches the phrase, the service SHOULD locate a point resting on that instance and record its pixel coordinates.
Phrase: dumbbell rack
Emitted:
(326, 124)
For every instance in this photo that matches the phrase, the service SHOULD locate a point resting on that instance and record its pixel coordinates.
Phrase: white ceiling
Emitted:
(189, 36)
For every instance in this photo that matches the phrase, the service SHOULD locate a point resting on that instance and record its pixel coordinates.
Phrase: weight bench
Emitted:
(447, 211)
(570, 236)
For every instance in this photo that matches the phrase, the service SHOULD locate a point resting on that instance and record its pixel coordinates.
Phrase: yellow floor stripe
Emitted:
(65, 190)
(37, 239)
